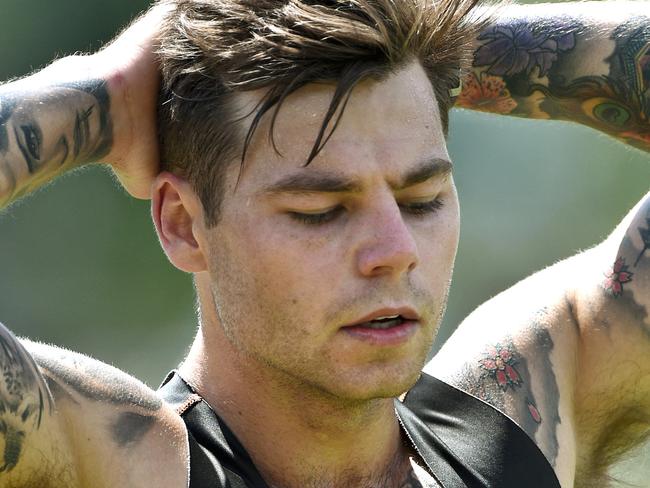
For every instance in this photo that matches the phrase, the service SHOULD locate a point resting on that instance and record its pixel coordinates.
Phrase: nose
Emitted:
(389, 247)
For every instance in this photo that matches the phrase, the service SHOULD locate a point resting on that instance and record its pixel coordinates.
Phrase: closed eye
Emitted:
(317, 218)
(423, 208)
(418, 209)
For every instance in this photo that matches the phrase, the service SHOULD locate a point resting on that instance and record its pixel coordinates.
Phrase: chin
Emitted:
(385, 382)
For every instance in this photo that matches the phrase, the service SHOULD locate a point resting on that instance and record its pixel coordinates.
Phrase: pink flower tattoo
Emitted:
(615, 277)
(499, 361)
(534, 413)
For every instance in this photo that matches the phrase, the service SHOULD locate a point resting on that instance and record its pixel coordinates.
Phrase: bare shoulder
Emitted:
(33, 444)
(119, 431)
(564, 354)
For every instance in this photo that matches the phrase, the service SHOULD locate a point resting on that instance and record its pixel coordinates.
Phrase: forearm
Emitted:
(582, 62)
(54, 121)
(84, 109)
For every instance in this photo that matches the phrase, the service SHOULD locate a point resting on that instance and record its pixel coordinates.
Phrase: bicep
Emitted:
(515, 353)
(32, 440)
(564, 353)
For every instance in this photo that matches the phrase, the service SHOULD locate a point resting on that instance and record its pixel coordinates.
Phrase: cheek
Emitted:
(292, 258)
(57, 149)
(264, 298)
(269, 269)
(453, 226)
(438, 248)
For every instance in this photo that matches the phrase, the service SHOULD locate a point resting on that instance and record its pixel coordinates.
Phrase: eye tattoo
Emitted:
(29, 142)
(32, 140)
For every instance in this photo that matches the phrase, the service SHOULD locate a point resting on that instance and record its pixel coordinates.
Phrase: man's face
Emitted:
(369, 229)
(73, 133)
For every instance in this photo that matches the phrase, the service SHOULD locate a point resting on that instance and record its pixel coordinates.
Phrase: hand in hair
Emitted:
(134, 83)
(85, 109)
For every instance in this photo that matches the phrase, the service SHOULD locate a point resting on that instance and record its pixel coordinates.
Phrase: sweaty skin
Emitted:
(544, 355)
(376, 212)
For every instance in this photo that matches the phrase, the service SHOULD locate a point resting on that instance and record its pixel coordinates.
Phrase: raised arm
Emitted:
(84, 109)
(565, 354)
(48, 126)
(585, 62)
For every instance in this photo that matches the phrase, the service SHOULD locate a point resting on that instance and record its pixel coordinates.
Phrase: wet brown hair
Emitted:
(211, 49)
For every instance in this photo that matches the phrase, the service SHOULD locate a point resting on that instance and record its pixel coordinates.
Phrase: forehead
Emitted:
(387, 127)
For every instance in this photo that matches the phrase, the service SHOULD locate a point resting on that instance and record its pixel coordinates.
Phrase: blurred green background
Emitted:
(80, 265)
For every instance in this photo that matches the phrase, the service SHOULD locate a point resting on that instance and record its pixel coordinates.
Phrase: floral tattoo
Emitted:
(534, 413)
(486, 93)
(510, 50)
(499, 362)
(616, 277)
(534, 60)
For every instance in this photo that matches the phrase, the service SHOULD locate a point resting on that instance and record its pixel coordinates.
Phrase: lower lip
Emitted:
(396, 335)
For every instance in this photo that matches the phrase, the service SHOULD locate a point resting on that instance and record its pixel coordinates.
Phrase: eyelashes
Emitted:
(29, 140)
(32, 140)
(423, 208)
(419, 209)
(317, 218)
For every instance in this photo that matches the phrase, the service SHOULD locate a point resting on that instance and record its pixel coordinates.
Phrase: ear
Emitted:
(178, 216)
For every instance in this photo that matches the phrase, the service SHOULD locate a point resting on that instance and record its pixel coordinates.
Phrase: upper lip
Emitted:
(407, 313)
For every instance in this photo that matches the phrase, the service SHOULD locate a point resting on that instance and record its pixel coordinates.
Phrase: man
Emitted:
(283, 357)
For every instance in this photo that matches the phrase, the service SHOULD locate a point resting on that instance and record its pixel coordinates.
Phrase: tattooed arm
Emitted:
(63, 415)
(612, 306)
(33, 443)
(46, 129)
(516, 353)
(583, 62)
(112, 416)
(84, 109)
(565, 352)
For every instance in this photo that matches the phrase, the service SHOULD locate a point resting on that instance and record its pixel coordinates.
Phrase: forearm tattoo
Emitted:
(24, 399)
(45, 130)
(544, 68)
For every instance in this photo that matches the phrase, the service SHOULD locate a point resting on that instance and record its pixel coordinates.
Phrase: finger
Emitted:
(137, 185)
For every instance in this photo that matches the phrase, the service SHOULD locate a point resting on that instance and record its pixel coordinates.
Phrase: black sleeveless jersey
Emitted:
(465, 442)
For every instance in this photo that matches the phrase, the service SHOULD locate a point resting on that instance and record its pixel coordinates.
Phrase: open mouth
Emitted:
(385, 331)
(383, 322)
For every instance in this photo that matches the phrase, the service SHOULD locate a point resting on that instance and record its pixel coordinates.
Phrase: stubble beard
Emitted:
(260, 346)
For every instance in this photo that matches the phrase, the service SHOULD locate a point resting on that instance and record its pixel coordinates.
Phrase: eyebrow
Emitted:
(323, 182)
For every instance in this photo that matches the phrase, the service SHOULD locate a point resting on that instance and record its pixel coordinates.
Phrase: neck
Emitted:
(325, 441)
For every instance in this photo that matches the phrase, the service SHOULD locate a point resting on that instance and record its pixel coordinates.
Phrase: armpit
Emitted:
(613, 307)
